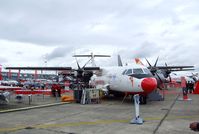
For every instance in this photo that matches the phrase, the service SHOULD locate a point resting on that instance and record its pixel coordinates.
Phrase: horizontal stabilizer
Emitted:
(91, 55)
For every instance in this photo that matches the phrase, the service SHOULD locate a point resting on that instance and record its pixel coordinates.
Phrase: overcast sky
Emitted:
(35, 31)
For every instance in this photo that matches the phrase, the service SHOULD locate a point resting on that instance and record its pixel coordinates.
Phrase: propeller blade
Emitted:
(159, 77)
(169, 78)
(77, 64)
(161, 82)
(148, 62)
(86, 63)
(156, 62)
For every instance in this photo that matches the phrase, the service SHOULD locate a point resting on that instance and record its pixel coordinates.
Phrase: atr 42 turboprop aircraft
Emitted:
(133, 79)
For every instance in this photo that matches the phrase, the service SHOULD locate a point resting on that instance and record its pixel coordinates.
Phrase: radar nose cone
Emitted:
(149, 84)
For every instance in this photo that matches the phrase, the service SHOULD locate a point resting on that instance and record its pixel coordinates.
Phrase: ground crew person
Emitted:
(184, 87)
(59, 90)
(56, 88)
(53, 89)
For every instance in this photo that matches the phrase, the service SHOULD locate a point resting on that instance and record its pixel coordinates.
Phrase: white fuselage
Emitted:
(121, 78)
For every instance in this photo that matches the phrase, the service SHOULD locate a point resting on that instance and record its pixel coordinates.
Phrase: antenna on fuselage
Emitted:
(92, 57)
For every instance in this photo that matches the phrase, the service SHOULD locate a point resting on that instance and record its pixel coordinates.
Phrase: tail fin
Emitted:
(138, 61)
(119, 61)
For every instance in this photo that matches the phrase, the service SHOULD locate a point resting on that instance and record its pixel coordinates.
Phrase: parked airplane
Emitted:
(133, 79)
(189, 76)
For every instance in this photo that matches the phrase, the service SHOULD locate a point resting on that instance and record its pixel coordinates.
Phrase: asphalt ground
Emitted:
(110, 116)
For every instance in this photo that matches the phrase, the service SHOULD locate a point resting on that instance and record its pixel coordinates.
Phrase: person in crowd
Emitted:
(194, 126)
(56, 88)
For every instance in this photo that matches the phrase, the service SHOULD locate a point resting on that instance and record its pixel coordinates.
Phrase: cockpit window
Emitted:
(128, 72)
(146, 71)
(138, 71)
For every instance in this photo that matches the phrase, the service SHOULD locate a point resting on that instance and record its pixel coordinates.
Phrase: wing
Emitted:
(176, 68)
(64, 70)
(40, 68)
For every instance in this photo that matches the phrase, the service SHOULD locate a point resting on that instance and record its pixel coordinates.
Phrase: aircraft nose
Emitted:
(149, 84)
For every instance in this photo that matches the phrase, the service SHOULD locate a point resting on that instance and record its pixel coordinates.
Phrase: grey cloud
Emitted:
(63, 22)
(58, 52)
(196, 27)
(54, 23)
(146, 49)
(19, 53)
(180, 54)
(3, 60)
(143, 50)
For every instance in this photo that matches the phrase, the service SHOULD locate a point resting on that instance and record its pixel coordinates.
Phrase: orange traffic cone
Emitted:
(185, 97)
(196, 90)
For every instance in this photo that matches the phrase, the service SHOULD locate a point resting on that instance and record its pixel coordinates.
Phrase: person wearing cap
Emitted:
(194, 126)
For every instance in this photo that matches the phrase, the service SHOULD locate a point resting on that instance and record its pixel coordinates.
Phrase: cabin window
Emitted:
(128, 72)
(123, 73)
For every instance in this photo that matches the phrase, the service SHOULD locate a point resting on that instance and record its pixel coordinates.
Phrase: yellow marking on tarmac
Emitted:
(182, 117)
(11, 129)
(73, 124)
(81, 123)
(33, 107)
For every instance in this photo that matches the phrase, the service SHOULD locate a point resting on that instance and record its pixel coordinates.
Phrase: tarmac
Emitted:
(110, 116)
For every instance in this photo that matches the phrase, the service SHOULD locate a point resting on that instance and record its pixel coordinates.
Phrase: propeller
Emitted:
(78, 71)
(153, 69)
(168, 71)
(84, 73)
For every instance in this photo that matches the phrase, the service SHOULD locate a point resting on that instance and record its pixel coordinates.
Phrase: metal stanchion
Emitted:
(137, 119)
(29, 99)
(56, 94)
(43, 96)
